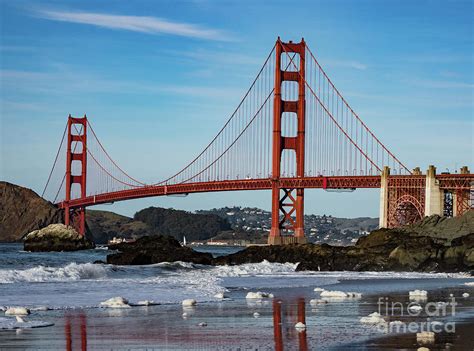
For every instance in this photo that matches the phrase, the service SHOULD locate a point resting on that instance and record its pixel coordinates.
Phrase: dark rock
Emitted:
(155, 249)
(56, 237)
(444, 229)
(382, 250)
(22, 211)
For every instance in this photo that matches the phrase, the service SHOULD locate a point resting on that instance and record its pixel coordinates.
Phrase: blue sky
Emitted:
(159, 78)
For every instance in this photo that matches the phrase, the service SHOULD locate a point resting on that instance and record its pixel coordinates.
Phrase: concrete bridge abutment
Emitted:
(406, 202)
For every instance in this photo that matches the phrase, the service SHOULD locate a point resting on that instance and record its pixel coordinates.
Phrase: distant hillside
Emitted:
(318, 228)
(104, 225)
(178, 223)
(22, 211)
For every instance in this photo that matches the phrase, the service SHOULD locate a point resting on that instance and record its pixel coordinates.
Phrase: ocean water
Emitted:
(71, 279)
(72, 286)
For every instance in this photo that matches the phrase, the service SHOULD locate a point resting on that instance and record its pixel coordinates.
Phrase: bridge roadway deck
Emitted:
(446, 181)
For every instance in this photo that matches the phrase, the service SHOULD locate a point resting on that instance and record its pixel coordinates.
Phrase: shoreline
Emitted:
(231, 322)
(70, 279)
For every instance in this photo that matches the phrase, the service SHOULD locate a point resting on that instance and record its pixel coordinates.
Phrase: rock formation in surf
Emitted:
(56, 237)
(156, 249)
(450, 249)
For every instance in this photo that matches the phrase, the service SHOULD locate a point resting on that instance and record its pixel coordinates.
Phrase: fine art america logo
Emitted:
(410, 311)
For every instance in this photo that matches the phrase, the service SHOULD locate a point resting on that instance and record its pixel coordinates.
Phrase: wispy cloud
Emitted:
(438, 57)
(347, 64)
(209, 64)
(441, 84)
(222, 57)
(70, 81)
(142, 24)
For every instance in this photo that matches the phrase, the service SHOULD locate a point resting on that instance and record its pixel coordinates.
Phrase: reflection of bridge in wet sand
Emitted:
(285, 316)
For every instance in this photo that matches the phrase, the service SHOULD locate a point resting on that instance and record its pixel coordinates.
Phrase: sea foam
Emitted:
(12, 323)
(70, 272)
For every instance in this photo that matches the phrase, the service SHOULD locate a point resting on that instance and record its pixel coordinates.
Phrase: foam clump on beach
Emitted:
(189, 302)
(300, 326)
(116, 302)
(258, 295)
(315, 302)
(340, 294)
(425, 337)
(220, 295)
(422, 349)
(373, 319)
(17, 311)
(20, 323)
(418, 294)
(415, 308)
(465, 295)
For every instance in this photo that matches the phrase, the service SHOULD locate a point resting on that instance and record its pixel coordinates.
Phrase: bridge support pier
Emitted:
(288, 204)
(433, 194)
(383, 212)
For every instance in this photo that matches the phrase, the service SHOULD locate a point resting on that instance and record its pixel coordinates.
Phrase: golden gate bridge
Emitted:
(292, 130)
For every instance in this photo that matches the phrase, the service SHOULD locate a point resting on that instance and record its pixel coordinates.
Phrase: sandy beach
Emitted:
(237, 323)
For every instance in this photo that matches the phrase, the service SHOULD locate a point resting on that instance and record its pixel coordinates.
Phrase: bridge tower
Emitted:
(76, 151)
(288, 204)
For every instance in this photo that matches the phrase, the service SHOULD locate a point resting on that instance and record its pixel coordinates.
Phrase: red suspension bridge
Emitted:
(291, 131)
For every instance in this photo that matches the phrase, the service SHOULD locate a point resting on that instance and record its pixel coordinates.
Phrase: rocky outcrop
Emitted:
(22, 211)
(56, 237)
(155, 249)
(382, 250)
(443, 229)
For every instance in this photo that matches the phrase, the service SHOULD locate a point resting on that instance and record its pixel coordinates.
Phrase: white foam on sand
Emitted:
(373, 319)
(418, 293)
(116, 302)
(189, 302)
(259, 295)
(17, 311)
(13, 323)
(300, 326)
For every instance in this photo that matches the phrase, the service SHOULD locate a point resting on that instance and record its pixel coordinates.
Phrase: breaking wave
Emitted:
(70, 272)
(255, 269)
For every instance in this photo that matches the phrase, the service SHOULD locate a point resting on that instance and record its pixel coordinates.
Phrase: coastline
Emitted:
(69, 282)
(231, 325)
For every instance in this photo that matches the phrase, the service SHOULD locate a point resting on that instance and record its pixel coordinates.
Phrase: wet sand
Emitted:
(231, 325)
